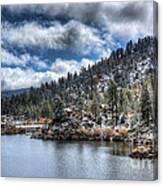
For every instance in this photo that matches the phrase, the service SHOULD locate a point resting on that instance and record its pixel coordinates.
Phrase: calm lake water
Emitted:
(25, 157)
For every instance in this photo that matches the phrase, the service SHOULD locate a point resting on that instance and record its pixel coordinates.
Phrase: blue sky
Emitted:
(41, 43)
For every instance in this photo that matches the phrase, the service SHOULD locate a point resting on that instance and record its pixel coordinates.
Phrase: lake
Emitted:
(25, 157)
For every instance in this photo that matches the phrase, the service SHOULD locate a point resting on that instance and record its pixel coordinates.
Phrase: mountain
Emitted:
(125, 83)
(9, 93)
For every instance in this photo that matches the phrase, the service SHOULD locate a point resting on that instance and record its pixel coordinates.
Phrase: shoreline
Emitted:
(139, 151)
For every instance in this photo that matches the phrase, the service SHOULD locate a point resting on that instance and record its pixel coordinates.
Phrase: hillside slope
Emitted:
(118, 82)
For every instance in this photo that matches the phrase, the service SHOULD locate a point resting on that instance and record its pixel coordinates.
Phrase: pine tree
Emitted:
(95, 105)
(81, 104)
(112, 101)
(59, 110)
(146, 108)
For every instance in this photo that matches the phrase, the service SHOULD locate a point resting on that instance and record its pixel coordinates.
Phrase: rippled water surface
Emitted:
(25, 157)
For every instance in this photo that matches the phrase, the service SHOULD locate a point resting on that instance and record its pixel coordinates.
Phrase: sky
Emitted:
(40, 43)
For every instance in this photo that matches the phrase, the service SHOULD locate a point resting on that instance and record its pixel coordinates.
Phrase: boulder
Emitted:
(97, 132)
(107, 133)
(50, 132)
(140, 152)
(123, 132)
(75, 137)
(37, 135)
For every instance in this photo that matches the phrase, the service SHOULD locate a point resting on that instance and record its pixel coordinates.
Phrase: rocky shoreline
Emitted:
(73, 129)
(81, 134)
(140, 150)
(143, 152)
(12, 130)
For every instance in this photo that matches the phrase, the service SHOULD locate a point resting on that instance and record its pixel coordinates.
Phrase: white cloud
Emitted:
(73, 35)
(62, 67)
(16, 78)
(139, 13)
(110, 22)
(38, 63)
(128, 20)
(8, 58)
(128, 30)
(120, 20)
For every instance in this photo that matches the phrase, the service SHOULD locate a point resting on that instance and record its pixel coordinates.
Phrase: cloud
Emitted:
(16, 78)
(9, 58)
(62, 67)
(81, 12)
(128, 20)
(36, 62)
(85, 30)
(74, 36)
(85, 12)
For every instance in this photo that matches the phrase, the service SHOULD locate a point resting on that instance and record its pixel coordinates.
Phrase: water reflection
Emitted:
(120, 148)
(25, 157)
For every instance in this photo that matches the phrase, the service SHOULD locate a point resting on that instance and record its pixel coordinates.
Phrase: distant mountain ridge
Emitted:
(9, 93)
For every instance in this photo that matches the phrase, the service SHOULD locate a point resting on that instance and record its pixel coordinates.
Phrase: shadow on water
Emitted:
(114, 148)
(120, 148)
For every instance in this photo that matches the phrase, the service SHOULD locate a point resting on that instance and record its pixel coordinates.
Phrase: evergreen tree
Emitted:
(146, 108)
(95, 105)
(59, 110)
(46, 110)
(112, 101)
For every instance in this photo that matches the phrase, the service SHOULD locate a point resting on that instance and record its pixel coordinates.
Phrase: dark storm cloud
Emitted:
(69, 38)
(85, 12)
(46, 12)
(134, 12)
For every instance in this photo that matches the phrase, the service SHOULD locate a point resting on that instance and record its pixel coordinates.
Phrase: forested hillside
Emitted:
(124, 83)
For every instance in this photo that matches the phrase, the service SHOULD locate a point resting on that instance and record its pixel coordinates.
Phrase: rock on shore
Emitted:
(71, 129)
(11, 130)
(143, 152)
